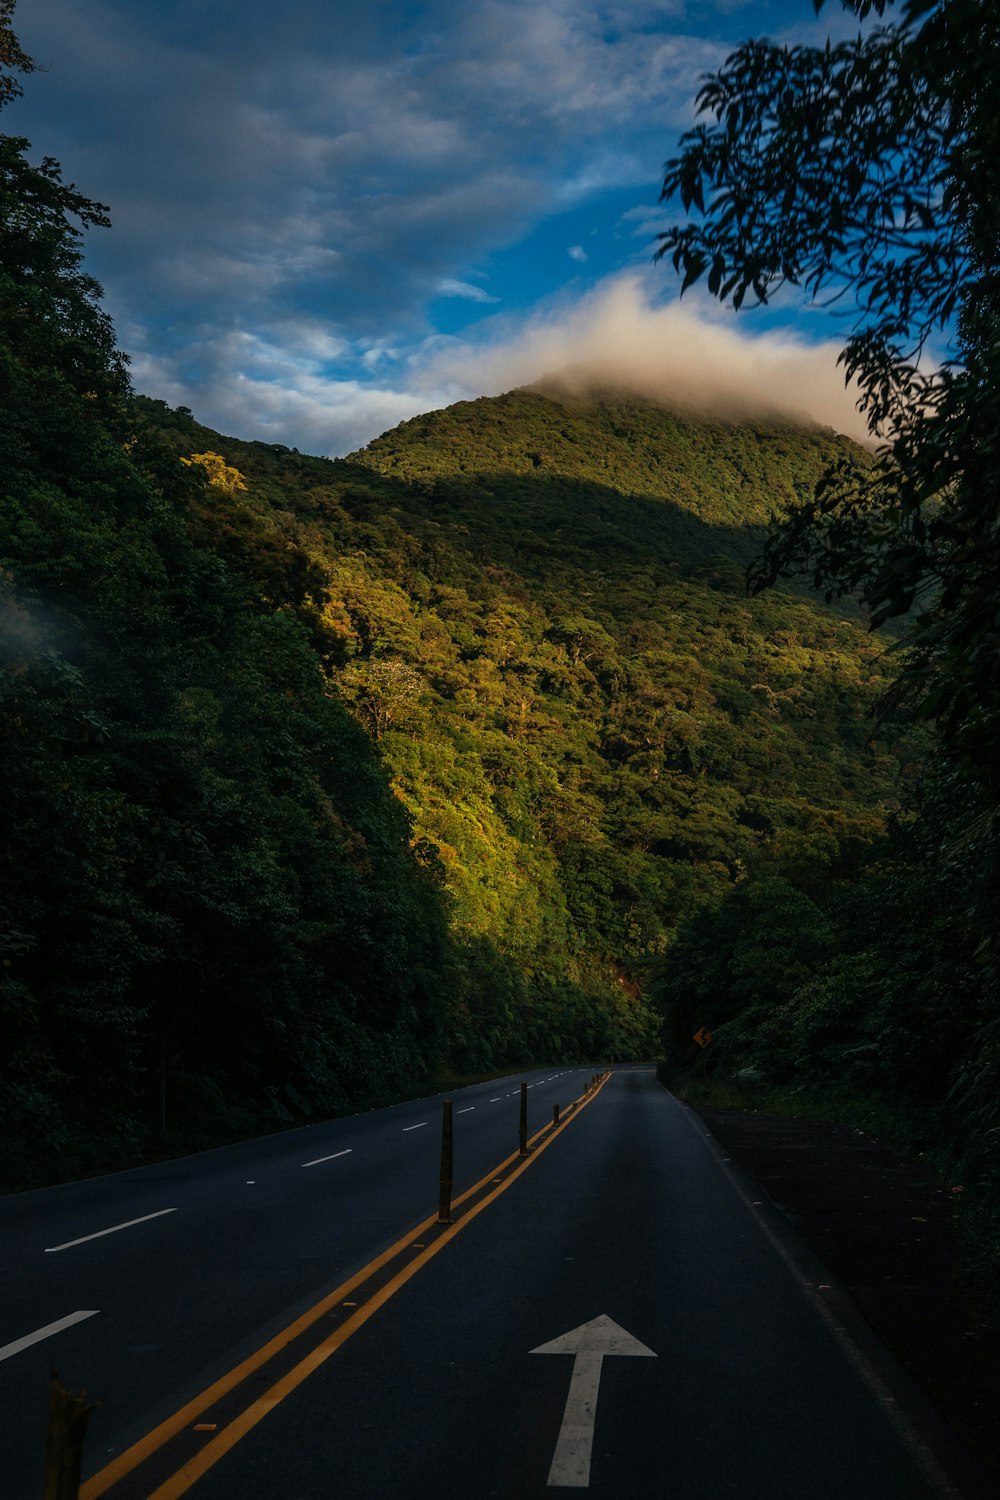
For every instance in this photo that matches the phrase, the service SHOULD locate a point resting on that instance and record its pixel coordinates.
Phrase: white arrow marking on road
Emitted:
(590, 1343)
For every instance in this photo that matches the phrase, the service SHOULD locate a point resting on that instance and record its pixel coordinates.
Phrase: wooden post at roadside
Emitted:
(68, 1417)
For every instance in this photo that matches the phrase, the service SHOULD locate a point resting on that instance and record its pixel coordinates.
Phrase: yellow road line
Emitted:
(179, 1483)
(152, 1441)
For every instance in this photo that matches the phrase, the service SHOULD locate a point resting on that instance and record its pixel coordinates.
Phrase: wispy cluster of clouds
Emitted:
(329, 216)
(686, 354)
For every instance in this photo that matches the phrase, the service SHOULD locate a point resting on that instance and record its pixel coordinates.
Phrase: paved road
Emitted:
(243, 1239)
(707, 1366)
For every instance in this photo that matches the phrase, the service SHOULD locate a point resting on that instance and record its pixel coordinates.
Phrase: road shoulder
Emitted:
(884, 1228)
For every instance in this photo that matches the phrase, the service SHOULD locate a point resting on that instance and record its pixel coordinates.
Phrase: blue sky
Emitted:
(330, 216)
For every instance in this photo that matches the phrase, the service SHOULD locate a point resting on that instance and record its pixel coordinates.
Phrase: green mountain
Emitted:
(324, 779)
(536, 608)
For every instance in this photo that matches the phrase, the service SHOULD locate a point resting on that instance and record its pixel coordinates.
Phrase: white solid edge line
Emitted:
(46, 1332)
(328, 1158)
(51, 1249)
(414, 1127)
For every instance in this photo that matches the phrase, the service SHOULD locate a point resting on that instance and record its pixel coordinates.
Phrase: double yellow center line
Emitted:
(499, 1179)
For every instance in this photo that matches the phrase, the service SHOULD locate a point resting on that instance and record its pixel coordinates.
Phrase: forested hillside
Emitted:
(205, 881)
(537, 610)
(327, 779)
(881, 1001)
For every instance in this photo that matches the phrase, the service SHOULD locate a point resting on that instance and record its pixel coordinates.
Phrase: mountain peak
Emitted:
(615, 445)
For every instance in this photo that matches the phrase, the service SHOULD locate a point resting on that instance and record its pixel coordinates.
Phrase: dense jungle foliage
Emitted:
(590, 724)
(323, 779)
(860, 170)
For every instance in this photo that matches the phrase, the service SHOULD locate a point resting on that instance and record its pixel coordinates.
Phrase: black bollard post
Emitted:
(523, 1133)
(447, 1165)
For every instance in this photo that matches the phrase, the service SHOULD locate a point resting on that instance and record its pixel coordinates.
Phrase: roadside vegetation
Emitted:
(328, 781)
(857, 171)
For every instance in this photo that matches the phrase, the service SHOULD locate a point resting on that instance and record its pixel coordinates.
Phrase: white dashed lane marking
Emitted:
(328, 1158)
(46, 1333)
(68, 1244)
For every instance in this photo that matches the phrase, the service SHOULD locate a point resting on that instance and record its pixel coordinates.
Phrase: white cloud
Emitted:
(256, 160)
(378, 353)
(465, 289)
(691, 354)
(289, 193)
(301, 409)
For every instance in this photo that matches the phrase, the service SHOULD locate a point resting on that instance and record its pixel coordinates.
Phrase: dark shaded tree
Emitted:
(202, 865)
(864, 173)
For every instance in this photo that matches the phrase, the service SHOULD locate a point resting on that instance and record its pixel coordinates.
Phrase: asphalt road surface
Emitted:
(284, 1319)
